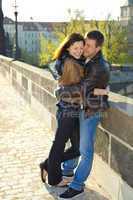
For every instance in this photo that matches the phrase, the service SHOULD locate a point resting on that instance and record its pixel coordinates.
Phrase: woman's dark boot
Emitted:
(43, 172)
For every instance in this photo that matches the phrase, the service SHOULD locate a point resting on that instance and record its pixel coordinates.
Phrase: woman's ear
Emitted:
(68, 49)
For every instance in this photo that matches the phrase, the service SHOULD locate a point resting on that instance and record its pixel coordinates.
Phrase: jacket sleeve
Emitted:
(97, 78)
(54, 70)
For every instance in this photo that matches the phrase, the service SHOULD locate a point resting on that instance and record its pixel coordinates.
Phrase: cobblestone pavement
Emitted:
(24, 142)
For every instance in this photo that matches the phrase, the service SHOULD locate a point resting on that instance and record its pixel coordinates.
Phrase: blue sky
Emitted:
(56, 10)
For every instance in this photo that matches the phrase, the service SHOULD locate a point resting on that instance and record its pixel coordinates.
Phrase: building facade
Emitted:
(30, 32)
(127, 20)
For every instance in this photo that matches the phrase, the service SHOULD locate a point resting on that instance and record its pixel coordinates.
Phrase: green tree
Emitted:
(115, 45)
(76, 23)
(47, 49)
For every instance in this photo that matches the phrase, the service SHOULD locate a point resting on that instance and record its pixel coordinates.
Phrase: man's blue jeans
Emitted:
(87, 139)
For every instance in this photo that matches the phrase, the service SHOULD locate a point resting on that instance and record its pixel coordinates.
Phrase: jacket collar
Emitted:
(98, 56)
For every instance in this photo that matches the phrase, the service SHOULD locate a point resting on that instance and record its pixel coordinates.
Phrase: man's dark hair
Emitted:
(97, 36)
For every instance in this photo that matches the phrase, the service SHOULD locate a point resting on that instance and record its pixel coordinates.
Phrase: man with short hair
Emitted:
(96, 76)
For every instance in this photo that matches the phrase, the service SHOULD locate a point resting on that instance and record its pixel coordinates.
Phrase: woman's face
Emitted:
(76, 49)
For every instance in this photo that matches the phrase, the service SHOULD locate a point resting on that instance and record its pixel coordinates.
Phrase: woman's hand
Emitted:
(98, 91)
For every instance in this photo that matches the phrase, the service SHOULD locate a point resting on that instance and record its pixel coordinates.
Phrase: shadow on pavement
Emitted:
(87, 195)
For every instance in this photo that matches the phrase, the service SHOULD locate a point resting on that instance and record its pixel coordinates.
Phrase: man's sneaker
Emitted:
(70, 193)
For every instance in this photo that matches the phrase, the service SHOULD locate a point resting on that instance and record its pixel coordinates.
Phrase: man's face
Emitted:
(90, 48)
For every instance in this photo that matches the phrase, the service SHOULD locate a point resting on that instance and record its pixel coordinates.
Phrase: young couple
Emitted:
(83, 76)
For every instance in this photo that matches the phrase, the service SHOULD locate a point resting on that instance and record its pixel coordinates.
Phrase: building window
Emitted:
(124, 12)
(131, 12)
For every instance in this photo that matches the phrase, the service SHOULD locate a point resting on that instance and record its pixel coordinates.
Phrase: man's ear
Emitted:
(98, 49)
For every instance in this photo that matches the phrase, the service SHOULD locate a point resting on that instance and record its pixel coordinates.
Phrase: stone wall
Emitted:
(123, 88)
(113, 163)
(121, 81)
(35, 85)
(114, 143)
(123, 68)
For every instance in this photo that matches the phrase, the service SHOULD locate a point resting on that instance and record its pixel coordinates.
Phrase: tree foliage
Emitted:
(76, 24)
(115, 45)
(47, 48)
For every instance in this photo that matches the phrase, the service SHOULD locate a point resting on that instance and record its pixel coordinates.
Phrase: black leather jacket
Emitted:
(96, 76)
